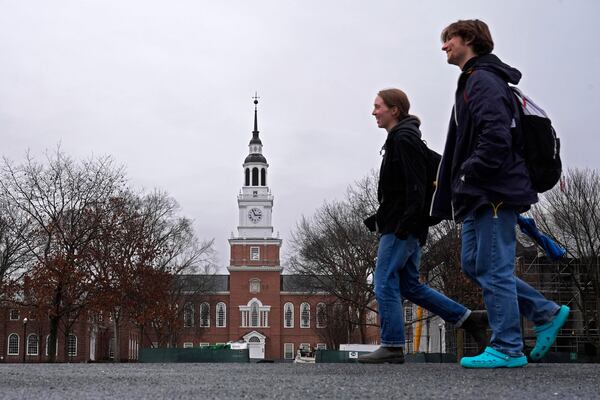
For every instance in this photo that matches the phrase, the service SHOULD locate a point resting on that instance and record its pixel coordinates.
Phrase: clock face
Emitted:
(255, 214)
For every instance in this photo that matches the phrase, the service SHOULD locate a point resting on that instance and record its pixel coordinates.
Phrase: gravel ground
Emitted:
(296, 381)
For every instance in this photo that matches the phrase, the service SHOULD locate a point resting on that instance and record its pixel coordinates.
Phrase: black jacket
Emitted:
(482, 161)
(402, 183)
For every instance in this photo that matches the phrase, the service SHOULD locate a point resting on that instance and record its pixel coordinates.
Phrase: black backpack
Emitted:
(433, 163)
(541, 145)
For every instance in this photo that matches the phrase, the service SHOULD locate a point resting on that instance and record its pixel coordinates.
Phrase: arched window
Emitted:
(188, 315)
(55, 347)
(304, 315)
(221, 315)
(33, 345)
(254, 176)
(288, 315)
(254, 316)
(263, 177)
(72, 345)
(321, 315)
(247, 173)
(13, 344)
(204, 315)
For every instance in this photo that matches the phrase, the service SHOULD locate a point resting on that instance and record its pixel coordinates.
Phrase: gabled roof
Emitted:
(204, 283)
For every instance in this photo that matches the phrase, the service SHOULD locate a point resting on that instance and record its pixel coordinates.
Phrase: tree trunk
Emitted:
(52, 351)
(116, 343)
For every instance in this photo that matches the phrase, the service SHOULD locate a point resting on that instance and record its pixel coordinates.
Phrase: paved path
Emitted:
(294, 381)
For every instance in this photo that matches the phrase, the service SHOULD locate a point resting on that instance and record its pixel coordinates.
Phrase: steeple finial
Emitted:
(255, 139)
(255, 132)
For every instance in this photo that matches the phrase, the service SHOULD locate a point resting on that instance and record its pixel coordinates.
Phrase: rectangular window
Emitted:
(408, 312)
(155, 345)
(321, 346)
(288, 351)
(72, 345)
(14, 315)
(305, 346)
(254, 253)
(188, 345)
(204, 344)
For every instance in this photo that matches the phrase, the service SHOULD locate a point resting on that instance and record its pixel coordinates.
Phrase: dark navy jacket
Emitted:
(482, 161)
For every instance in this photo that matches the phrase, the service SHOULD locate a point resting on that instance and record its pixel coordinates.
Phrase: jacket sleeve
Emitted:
(413, 172)
(491, 109)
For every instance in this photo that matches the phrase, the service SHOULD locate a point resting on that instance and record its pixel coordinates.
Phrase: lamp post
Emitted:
(24, 337)
(440, 327)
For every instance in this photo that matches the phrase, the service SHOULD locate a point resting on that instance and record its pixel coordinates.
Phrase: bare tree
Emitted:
(441, 265)
(570, 213)
(15, 258)
(61, 200)
(143, 245)
(335, 249)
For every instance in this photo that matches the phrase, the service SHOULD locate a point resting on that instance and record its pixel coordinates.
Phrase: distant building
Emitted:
(275, 314)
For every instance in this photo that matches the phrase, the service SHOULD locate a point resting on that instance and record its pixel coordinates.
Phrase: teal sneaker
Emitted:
(492, 358)
(546, 334)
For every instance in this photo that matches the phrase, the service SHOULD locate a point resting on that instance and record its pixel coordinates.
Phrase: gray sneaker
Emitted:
(391, 355)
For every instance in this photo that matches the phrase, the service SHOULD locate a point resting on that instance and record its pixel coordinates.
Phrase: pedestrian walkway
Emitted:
(295, 381)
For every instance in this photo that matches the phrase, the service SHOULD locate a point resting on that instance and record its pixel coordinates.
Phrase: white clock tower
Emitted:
(255, 204)
(255, 201)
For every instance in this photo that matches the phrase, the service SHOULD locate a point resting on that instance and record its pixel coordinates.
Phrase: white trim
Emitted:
(37, 347)
(321, 346)
(69, 353)
(188, 345)
(8, 352)
(224, 325)
(252, 334)
(254, 269)
(324, 307)
(189, 307)
(10, 314)
(203, 344)
(284, 316)
(291, 353)
(304, 346)
(307, 325)
(200, 322)
(55, 347)
(254, 241)
(305, 294)
(254, 253)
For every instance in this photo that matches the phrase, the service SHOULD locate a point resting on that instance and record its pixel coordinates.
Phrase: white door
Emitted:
(256, 348)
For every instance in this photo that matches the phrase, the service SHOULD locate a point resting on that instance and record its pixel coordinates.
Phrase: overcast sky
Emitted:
(165, 88)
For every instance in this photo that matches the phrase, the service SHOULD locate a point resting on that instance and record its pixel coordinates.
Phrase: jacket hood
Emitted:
(492, 63)
(408, 124)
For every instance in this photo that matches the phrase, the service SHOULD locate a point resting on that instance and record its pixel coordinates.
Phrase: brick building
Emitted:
(275, 314)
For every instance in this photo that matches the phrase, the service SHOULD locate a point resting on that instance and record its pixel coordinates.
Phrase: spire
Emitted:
(255, 138)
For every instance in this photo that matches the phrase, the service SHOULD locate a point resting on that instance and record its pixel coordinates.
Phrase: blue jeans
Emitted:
(397, 277)
(488, 258)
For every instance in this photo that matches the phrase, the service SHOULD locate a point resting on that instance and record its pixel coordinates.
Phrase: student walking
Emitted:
(402, 221)
(484, 183)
